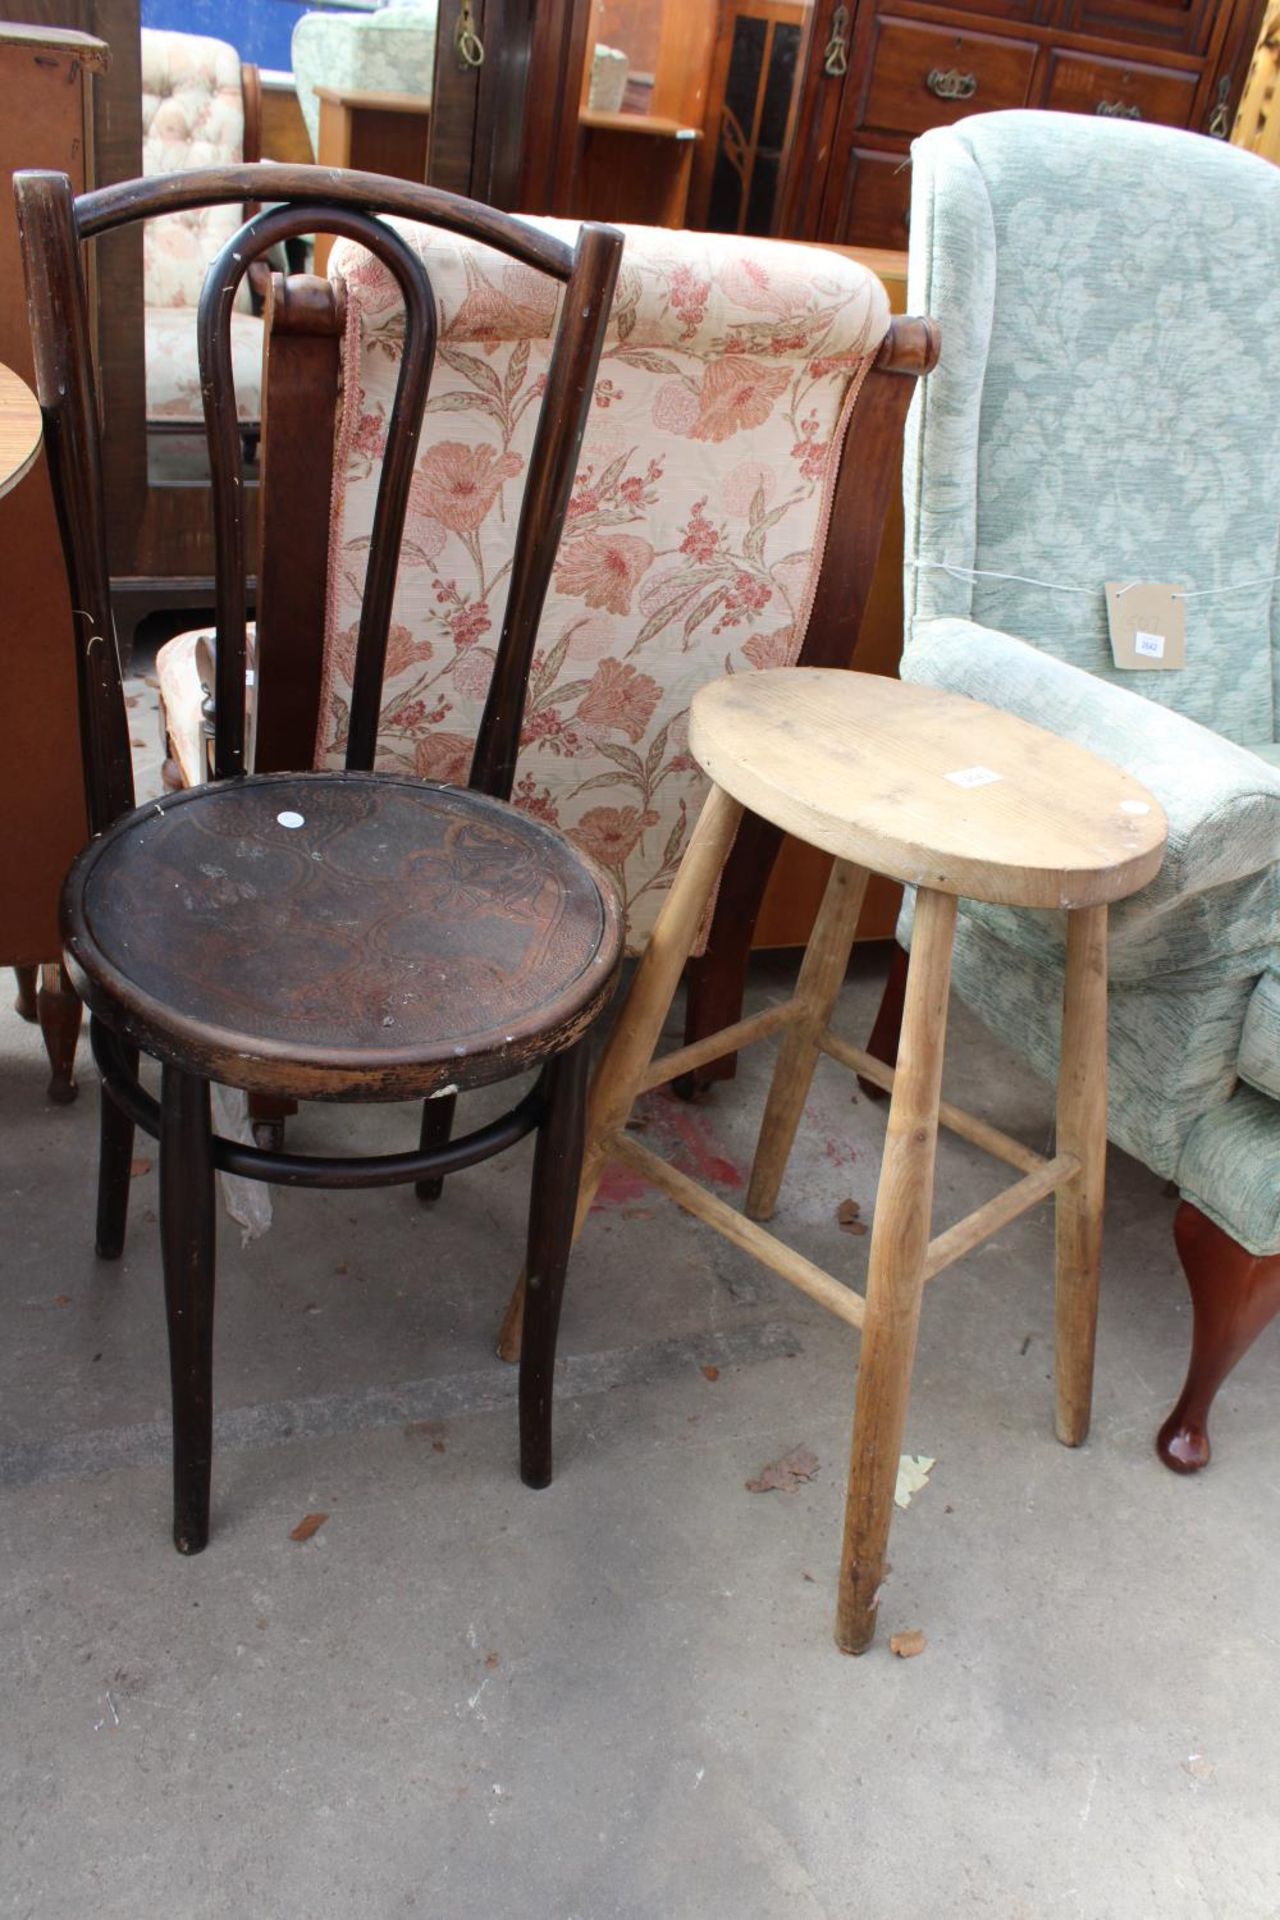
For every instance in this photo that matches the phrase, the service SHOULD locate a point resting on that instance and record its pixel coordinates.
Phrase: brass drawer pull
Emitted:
(951, 84)
(1117, 110)
(835, 60)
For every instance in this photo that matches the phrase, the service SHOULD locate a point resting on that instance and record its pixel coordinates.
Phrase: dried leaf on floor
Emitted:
(138, 1167)
(709, 1373)
(913, 1472)
(1198, 1767)
(493, 1659)
(787, 1474)
(849, 1217)
(310, 1524)
(62, 1299)
(908, 1645)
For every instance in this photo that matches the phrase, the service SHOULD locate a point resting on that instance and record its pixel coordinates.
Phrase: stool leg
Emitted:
(1082, 1130)
(899, 1239)
(822, 972)
(633, 1041)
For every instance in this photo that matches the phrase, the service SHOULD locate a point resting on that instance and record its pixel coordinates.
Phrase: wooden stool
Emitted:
(956, 799)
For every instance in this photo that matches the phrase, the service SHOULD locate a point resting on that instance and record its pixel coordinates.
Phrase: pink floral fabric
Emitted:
(695, 529)
(173, 369)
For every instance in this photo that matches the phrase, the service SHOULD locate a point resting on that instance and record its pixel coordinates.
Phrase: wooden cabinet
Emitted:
(909, 66)
(919, 75)
(46, 81)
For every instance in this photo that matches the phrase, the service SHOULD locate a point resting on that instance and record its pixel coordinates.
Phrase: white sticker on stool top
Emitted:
(1135, 806)
(291, 819)
(972, 777)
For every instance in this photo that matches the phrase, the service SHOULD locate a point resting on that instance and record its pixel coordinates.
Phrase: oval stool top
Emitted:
(929, 787)
(353, 933)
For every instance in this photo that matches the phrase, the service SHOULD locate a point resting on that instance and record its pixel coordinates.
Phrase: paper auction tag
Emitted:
(1148, 626)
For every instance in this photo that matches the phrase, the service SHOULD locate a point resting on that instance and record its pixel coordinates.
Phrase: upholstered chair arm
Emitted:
(1222, 801)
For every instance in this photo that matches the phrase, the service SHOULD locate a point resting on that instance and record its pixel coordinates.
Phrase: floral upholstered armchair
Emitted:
(694, 542)
(1106, 409)
(199, 109)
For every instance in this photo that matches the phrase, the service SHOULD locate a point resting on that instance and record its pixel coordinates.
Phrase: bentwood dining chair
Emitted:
(344, 936)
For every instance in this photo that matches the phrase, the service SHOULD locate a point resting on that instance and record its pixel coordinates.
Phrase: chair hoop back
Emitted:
(54, 225)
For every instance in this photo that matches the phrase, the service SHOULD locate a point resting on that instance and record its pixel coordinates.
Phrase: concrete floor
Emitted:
(618, 1697)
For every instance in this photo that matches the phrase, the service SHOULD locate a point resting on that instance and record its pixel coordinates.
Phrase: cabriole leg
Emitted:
(1234, 1295)
(60, 1012)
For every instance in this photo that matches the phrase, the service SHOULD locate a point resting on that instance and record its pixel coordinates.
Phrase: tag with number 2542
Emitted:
(1148, 626)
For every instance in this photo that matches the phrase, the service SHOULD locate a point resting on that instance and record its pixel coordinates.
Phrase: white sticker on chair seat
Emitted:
(972, 777)
(291, 819)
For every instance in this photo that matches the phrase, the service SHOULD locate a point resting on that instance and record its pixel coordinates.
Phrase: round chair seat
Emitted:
(331, 935)
(931, 788)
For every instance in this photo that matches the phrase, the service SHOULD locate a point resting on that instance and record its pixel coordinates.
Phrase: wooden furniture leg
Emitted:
(59, 1011)
(267, 1115)
(28, 979)
(553, 1199)
(822, 974)
(1082, 1132)
(887, 1030)
(634, 1037)
(1234, 1295)
(115, 1158)
(716, 980)
(437, 1125)
(895, 1281)
(187, 1243)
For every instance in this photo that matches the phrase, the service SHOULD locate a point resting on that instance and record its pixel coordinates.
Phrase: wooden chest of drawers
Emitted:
(909, 66)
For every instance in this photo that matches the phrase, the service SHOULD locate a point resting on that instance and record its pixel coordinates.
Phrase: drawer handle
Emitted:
(951, 84)
(835, 59)
(1117, 110)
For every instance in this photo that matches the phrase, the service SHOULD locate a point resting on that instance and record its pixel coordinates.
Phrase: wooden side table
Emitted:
(375, 133)
(957, 800)
(20, 429)
(47, 78)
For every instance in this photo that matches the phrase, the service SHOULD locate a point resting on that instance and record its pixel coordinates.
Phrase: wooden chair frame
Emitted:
(55, 226)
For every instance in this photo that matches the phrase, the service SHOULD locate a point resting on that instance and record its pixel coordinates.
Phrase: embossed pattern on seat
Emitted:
(341, 920)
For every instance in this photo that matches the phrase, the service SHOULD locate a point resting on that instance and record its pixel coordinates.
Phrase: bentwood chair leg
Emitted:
(633, 1039)
(899, 1240)
(1082, 1130)
(115, 1157)
(557, 1165)
(187, 1239)
(437, 1125)
(821, 974)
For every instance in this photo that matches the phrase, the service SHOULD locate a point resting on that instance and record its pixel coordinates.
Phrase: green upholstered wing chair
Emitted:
(1107, 408)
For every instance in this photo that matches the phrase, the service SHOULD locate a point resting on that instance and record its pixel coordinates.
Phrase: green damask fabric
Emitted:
(1106, 409)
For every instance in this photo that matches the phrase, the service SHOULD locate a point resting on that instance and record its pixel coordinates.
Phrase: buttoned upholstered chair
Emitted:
(1106, 409)
(199, 109)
